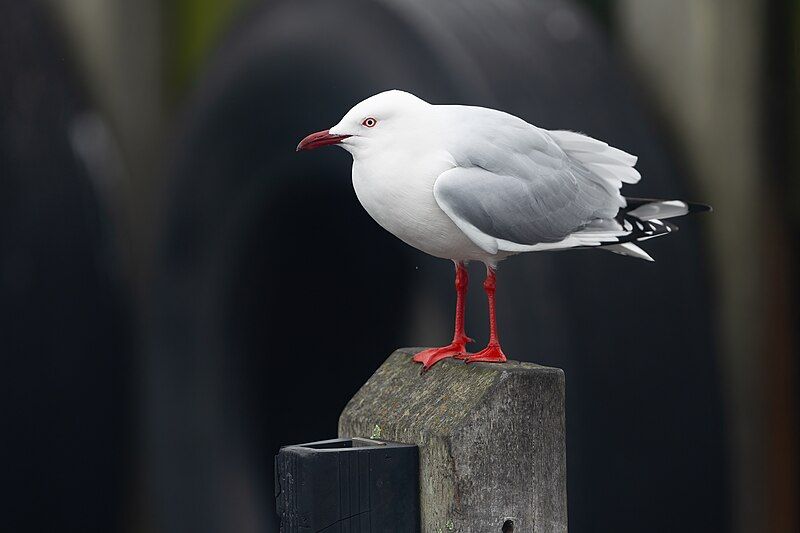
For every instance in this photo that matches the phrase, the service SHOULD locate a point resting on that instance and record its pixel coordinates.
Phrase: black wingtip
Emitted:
(699, 208)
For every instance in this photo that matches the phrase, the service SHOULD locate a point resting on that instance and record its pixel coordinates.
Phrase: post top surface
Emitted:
(448, 365)
(445, 397)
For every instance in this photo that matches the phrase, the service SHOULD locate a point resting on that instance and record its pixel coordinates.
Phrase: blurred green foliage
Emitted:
(191, 29)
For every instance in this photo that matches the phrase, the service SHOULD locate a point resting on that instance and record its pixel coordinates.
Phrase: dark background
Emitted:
(181, 293)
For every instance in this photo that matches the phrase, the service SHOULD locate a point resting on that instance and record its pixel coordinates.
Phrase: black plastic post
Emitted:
(348, 485)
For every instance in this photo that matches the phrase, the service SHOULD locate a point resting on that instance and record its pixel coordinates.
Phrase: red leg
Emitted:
(492, 353)
(457, 348)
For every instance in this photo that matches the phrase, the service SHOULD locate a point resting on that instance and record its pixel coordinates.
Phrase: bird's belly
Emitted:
(406, 208)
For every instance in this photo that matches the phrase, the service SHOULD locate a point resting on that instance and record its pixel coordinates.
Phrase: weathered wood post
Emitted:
(491, 440)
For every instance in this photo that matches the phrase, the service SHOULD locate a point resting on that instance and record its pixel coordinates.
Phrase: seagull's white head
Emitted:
(373, 123)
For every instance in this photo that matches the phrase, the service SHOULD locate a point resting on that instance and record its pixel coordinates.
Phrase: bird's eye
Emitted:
(369, 122)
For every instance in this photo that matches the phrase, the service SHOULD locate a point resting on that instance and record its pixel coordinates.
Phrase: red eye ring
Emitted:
(369, 122)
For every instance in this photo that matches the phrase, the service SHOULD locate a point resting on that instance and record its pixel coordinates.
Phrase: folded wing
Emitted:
(541, 193)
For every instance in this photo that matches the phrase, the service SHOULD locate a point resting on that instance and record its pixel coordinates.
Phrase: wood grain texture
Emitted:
(491, 438)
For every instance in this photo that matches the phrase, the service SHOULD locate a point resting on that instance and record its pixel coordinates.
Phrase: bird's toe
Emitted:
(491, 354)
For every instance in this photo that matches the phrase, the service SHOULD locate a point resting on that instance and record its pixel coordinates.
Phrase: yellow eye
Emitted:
(369, 122)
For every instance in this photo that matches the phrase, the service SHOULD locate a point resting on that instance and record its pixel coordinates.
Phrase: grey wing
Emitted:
(542, 204)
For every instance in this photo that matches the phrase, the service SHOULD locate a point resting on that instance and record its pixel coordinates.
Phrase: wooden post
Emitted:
(491, 439)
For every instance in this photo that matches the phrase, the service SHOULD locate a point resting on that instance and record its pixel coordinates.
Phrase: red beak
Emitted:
(321, 138)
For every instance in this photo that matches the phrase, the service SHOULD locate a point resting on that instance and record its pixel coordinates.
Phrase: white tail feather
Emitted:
(629, 249)
(661, 209)
(613, 166)
(571, 141)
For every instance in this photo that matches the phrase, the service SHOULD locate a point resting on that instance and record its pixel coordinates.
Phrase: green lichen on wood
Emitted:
(376, 432)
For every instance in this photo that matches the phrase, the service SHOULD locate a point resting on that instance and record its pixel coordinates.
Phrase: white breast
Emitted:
(398, 194)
